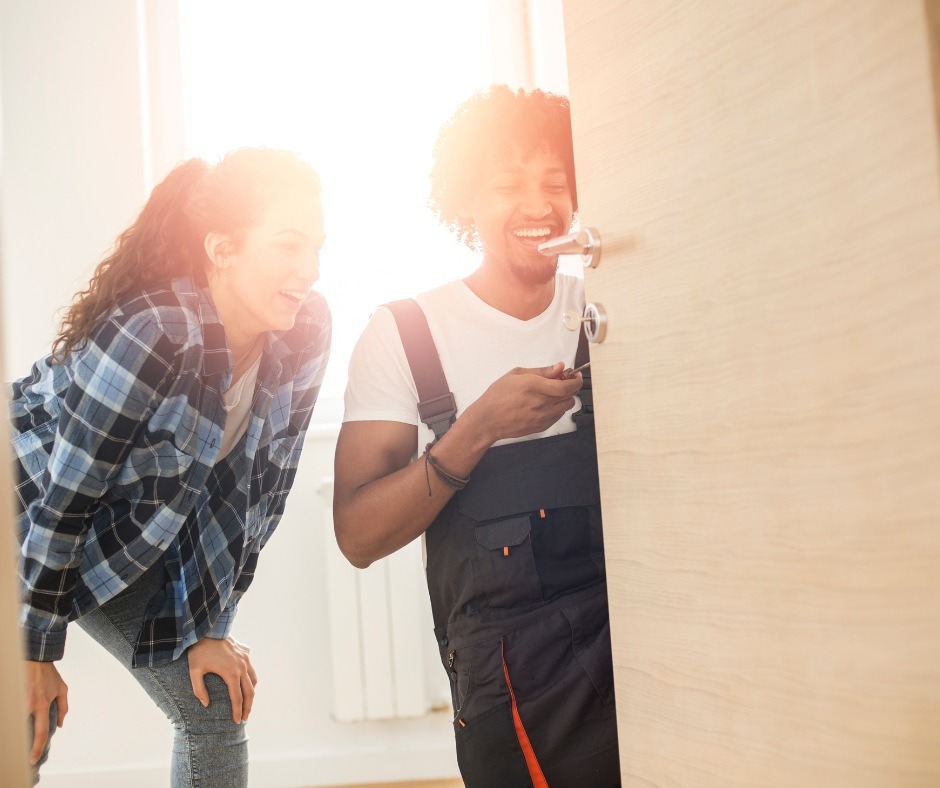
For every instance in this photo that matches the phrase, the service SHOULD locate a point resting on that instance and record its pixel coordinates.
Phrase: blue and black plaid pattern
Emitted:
(115, 465)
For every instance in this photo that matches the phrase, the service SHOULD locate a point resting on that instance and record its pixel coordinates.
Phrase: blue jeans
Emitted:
(209, 749)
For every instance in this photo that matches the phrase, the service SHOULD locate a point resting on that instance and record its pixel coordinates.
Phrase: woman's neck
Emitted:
(243, 344)
(244, 353)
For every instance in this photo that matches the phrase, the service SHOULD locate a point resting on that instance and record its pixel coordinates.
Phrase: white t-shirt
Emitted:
(476, 343)
(238, 401)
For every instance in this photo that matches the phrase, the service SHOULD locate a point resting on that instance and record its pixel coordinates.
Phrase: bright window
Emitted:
(359, 90)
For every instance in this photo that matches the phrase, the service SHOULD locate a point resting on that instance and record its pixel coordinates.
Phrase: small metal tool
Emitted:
(570, 373)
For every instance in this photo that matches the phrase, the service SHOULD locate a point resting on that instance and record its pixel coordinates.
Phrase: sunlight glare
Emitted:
(359, 90)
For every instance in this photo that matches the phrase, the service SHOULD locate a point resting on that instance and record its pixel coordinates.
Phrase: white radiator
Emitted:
(385, 663)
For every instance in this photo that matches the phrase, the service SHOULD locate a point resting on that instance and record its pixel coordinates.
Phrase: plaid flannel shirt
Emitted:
(115, 452)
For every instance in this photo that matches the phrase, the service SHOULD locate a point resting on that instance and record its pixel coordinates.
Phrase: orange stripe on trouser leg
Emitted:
(531, 762)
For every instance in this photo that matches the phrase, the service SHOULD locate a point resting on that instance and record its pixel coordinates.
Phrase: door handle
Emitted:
(586, 242)
(594, 321)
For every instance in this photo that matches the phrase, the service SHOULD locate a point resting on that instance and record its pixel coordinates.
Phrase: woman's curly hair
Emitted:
(166, 240)
(494, 124)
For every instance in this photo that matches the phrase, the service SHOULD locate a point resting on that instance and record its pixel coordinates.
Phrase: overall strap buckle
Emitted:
(438, 413)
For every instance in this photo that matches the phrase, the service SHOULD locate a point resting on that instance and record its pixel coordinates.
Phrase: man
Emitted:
(506, 493)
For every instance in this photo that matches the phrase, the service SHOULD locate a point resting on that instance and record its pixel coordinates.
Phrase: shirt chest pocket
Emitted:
(281, 448)
(277, 467)
(153, 470)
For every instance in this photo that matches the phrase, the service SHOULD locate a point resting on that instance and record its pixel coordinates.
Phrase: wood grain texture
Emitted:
(765, 180)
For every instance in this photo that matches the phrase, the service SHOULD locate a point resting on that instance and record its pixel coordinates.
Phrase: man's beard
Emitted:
(534, 274)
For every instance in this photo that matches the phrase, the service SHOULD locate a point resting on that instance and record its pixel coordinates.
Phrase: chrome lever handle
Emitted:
(586, 242)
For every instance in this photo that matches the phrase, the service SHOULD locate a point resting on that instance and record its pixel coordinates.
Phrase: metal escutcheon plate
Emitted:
(595, 323)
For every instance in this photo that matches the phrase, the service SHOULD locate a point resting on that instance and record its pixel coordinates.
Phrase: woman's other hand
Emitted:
(44, 685)
(228, 659)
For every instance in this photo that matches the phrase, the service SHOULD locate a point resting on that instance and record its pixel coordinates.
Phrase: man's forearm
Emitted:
(382, 516)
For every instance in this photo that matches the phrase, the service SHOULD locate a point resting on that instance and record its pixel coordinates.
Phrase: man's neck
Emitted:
(504, 291)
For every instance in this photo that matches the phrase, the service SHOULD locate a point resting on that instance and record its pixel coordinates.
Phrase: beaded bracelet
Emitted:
(451, 481)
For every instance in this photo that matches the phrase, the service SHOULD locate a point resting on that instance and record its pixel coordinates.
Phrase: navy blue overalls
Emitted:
(515, 571)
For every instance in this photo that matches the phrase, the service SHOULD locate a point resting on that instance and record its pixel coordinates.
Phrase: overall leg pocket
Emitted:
(488, 752)
(590, 641)
(571, 726)
(457, 664)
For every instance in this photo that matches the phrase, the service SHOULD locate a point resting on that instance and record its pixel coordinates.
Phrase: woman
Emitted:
(157, 443)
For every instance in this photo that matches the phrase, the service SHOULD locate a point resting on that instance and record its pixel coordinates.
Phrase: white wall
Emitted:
(74, 156)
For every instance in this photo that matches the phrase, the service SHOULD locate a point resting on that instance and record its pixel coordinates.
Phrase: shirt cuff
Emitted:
(43, 646)
(222, 628)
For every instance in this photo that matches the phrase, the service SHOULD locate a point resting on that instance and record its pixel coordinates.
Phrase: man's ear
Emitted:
(218, 249)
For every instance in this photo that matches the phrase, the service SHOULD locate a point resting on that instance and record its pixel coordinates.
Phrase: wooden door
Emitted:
(14, 748)
(765, 180)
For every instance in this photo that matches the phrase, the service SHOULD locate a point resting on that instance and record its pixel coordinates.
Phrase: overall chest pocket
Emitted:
(503, 554)
(536, 519)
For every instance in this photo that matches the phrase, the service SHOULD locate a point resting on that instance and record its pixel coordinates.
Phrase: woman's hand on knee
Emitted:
(228, 659)
(44, 685)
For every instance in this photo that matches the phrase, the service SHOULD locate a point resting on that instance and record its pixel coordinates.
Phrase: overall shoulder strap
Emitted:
(436, 404)
(583, 354)
(585, 416)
